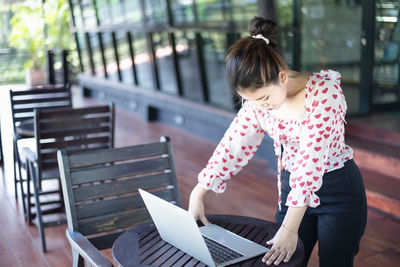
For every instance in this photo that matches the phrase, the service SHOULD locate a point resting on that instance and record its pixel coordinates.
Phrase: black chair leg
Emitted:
(29, 214)
(37, 206)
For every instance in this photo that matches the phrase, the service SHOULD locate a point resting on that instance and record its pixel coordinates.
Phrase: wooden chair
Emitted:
(101, 193)
(23, 104)
(75, 130)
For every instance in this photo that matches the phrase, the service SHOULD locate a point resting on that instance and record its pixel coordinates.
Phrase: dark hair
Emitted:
(251, 63)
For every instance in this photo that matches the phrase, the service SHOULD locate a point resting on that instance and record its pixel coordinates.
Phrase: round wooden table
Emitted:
(143, 246)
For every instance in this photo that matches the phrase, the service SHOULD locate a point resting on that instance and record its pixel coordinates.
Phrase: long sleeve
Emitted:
(238, 145)
(319, 133)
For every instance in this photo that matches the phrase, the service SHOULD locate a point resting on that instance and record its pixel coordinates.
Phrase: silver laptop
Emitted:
(211, 244)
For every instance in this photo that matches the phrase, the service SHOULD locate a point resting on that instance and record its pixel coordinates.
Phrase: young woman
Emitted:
(321, 192)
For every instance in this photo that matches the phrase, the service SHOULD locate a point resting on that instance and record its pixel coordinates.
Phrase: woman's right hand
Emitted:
(196, 204)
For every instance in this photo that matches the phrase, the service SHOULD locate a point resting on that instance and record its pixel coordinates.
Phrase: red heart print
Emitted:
(309, 173)
(309, 183)
(321, 132)
(324, 101)
(237, 166)
(245, 126)
(326, 136)
(224, 160)
(243, 147)
(242, 134)
(294, 202)
(304, 192)
(318, 168)
(325, 90)
(317, 148)
(247, 118)
(316, 178)
(315, 103)
(328, 129)
(321, 83)
(327, 109)
(299, 161)
(302, 184)
(250, 147)
(334, 96)
(225, 168)
(302, 152)
(313, 82)
(221, 174)
(336, 164)
(315, 160)
(255, 126)
(226, 150)
(208, 184)
(247, 153)
(326, 119)
(239, 160)
(230, 138)
(312, 135)
(306, 157)
(231, 156)
(317, 116)
(309, 144)
(316, 93)
(318, 139)
(319, 125)
(304, 165)
(310, 126)
(290, 198)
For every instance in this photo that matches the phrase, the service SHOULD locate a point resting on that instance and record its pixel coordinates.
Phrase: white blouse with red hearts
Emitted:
(312, 145)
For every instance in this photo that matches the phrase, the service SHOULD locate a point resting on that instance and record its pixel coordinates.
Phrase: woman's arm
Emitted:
(285, 240)
(196, 204)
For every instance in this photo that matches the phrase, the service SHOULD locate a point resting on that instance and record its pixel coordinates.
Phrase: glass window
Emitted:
(214, 55)
(387, 49)
(103, 11)
(125, 61)
(330, 38)
(109, 54)
(97, 59)
(165, 64)
(88, 13)
(210, 10)
(156, 11)
(77, 13)
(84, 53)
(182, 11)
(188, 65)
(142, 61)
(133, 11)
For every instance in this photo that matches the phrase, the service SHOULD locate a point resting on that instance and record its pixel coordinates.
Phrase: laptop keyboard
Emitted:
(219, 252)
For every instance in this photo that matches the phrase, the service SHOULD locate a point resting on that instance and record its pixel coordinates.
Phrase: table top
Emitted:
(143, 246)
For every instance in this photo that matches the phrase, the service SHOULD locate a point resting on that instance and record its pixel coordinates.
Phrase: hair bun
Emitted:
(265, 27)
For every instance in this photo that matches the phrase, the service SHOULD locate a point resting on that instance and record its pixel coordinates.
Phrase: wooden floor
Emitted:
(253, 193)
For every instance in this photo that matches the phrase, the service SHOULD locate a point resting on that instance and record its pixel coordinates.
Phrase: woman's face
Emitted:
(270, 97)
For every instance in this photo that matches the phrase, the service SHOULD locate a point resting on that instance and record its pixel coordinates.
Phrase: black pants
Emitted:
(338, 222)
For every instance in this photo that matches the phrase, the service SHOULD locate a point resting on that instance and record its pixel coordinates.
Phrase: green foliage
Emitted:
(37, 27)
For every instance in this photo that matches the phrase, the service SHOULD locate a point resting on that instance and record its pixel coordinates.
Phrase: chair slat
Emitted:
(118, 154)
(74, 132)
(37, 91)
(119, 170)
(119, 187)
(118, 204)
(74, 143)
(112, 222)
(61, 98)
(77, 112)
(76, 122)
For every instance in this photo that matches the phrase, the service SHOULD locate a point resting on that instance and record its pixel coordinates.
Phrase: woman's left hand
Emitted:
(283, 244)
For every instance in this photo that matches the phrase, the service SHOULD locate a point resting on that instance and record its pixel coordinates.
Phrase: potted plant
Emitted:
(27, 34)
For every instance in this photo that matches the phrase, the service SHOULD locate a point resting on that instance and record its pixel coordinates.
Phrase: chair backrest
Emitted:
(79, 129)
(100, 188)
(24, 102)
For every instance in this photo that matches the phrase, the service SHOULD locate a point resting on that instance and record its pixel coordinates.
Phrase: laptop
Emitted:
(211, 244)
